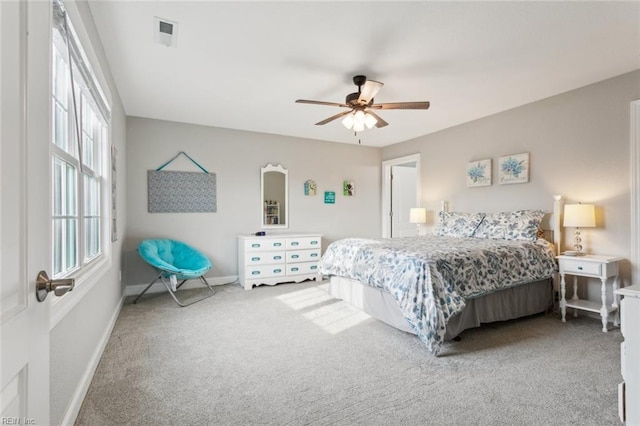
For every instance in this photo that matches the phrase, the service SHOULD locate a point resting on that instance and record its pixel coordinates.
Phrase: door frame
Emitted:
(386, 187)
(635, 188)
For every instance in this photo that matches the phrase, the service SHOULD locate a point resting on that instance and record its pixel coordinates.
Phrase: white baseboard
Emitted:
(136, 289)
(83, 387)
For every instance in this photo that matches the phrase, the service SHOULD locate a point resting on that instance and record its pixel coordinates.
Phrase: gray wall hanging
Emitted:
(181, 192)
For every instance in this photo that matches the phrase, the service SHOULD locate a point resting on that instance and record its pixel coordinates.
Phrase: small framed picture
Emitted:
(479, 173)
(310, 187)
(329, 197)
(513, 168)
(348, 188)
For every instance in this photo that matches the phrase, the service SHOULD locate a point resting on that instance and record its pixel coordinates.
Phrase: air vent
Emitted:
(165, 32)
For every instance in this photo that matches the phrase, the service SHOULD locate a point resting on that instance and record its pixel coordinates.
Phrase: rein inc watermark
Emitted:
(17, 421)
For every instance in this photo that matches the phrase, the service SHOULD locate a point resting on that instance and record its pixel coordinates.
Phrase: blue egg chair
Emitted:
(174, 261)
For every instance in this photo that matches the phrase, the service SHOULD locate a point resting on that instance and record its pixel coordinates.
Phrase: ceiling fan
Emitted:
(360, 105)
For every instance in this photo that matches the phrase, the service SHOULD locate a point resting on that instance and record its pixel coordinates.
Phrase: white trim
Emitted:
(61, 306)
(634, 154)
(73, 409)
(386, 187)
(136, 289)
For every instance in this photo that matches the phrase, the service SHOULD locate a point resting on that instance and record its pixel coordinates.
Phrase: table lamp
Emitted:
(418, 215)
(579, 216)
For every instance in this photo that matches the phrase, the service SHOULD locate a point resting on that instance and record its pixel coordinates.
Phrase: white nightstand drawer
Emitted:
(264, 244)
(303, 243)
(265, 271)
(582, 268)
(303, 255)
(265, 258)
(302, 268)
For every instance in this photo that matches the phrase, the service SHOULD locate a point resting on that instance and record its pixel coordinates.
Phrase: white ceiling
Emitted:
(241, 65)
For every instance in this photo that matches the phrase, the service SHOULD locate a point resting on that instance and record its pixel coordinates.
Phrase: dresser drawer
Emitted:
(264, 258)
(303, 255)
(264, 244)
(302, 268)
(581, 267)
(303, 243)
(265, 271)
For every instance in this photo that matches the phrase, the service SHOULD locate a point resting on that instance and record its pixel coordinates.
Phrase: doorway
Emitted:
(400, 192)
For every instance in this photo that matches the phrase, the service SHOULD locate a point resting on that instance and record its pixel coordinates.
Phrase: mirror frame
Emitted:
(271, 168)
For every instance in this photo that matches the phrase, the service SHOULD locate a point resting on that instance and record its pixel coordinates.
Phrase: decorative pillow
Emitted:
(494, 226)
(517, 225)
(454, 224)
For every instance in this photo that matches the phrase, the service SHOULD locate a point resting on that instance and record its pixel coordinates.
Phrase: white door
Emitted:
(24, 211)
(403, 198)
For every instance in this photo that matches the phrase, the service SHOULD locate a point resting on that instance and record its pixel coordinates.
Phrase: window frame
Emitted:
(88, 272)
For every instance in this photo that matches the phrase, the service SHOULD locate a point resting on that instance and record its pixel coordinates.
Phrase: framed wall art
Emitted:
(479, 173)
(513, 168)
(348, 188)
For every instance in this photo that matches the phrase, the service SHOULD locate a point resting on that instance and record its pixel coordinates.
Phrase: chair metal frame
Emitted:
(162, 278)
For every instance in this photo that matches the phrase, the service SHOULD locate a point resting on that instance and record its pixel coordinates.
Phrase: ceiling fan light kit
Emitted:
(360, 104)
(357, 121)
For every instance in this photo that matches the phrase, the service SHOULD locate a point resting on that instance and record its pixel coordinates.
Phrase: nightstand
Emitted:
(591, 266)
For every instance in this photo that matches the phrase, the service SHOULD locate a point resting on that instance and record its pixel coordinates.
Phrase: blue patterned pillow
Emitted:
(454, 224)
(517, 225)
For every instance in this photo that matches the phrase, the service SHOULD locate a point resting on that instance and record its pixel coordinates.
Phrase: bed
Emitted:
(474, 268)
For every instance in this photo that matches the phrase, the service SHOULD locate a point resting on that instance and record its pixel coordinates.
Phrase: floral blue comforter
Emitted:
(431, 276)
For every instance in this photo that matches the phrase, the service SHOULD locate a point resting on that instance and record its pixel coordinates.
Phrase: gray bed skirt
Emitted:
(515, 302)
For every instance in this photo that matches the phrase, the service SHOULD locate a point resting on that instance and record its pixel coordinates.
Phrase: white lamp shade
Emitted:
(418, 215)
(579, 215)
(347, 121)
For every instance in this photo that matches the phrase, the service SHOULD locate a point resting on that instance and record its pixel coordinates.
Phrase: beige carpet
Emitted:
(291, 355)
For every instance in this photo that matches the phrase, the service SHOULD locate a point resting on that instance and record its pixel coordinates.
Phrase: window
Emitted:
(78, 168)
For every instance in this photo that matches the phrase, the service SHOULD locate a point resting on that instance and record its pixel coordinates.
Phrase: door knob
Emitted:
(44, 285)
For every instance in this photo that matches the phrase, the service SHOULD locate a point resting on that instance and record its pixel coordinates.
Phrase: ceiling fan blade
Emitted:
(381, 122)
(401, 105)
(369, 91)
(304, 101)
(333, 117)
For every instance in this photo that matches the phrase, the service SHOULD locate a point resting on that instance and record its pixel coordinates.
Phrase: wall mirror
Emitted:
(274, 187)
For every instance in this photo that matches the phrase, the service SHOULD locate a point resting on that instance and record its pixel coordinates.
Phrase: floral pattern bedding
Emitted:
(431, 276)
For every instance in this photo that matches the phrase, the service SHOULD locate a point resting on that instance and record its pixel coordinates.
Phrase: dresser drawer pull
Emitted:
(255, 245)
(277, 257)
(295, 243)
(314, 242)
(277, 244)
(314, 254)
(255, 272)
(294, 269)
(579, 268)
(314, 267)
(276, 271)
(294, 256)
(255, 259)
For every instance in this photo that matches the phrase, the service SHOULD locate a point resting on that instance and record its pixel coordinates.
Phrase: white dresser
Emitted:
(278, 258)
(629, 390)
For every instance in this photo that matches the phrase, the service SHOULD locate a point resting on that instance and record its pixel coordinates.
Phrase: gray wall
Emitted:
(236, 157)
(578, 144)
(75, 340)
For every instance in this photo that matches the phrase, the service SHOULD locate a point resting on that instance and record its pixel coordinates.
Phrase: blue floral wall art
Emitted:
(513, 168)
(479, 173)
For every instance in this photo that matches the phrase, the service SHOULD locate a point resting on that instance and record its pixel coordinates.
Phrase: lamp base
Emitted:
(577, 243)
